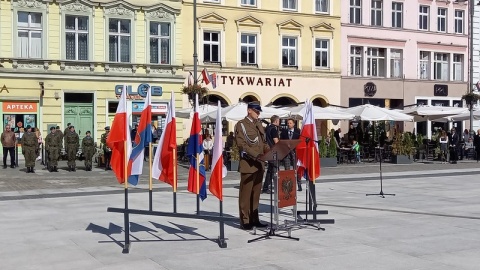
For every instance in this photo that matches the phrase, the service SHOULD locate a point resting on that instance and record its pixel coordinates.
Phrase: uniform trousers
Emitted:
(249, 196)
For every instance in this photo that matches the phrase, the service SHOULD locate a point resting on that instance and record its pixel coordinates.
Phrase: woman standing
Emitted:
(444, 146)
(207, 148)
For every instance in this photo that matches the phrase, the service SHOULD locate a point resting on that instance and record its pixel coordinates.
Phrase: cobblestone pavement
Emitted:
(17, 180)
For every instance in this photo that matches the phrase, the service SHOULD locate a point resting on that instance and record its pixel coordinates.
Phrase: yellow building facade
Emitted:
(273, 51)
(67, 61)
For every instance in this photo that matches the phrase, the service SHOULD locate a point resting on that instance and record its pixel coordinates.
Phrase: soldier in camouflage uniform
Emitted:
(88, 149)
(53, 143)
(29, 149)
(59, 133)
(72, 143)
(107, 152)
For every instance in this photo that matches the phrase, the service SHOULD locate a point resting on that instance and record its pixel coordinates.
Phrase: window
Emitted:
(397, 15)
(356, 11)
(376, 62)
(249, 2)
(248, 49)
(321, 6)
(119, 40)
(29, 35)
(442, 20)
(290, 4)
(440, 66)
(356, 61)
(458, 67)
(211, 47)
(376, 17)
(76, 37)
(396, 63)
(322, 53)
(459, 21)
(424, 67)
(423, 18)
(159, 43)
(289, 52)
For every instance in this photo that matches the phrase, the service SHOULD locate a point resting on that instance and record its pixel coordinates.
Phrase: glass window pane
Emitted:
(113, 25)
(284, 41)
(70, 22)
(324, 59)
(36, 19)
(285, 57)
(82, 46)
(206, 53)
(243, 54)
(70, 46)
(125, 49)
(113, 49)
(165, 29)
(165, 51)
(215, 53)
(153, 28)
(22, 47)
(206, 36)
(124, 26)
(243, 38)
(154, 50)
(36, 45)
(252, 57)
(252, 39)
(22, 19)
(215, 37)
(83, 23)
(291, 42)
(291, 58)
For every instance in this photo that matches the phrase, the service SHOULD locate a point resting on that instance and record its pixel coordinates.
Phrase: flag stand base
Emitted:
(221, 240)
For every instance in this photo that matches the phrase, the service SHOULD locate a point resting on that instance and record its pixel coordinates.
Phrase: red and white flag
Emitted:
(164, 163)
(307, 150)
(206, 77)
(219, 170)
(119, 134)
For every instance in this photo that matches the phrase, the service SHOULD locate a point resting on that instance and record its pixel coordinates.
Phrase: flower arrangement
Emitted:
(471, 98)
(193, 89)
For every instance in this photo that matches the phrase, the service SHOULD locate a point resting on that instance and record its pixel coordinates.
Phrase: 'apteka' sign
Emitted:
(140, 91)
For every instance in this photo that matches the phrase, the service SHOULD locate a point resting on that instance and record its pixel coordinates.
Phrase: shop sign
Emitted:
(140, 92)
(19, 107)
(137, 107)
(370, 89)
(440, 90)
(255, 81)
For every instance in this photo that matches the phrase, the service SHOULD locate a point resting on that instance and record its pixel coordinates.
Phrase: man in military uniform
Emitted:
(72, 143)
(250, 138)
(29, 149)
(59, 133)
(107, 152)
(88, 149)
(67, 129)
(53, 143)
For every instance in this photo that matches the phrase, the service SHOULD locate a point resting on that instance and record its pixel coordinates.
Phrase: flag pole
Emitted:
(174, 180)
(222, 226)
(150, 184)
(197, 179)
(126, 247)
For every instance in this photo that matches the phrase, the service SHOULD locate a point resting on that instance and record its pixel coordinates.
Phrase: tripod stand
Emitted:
(381, 194)
(280, 148)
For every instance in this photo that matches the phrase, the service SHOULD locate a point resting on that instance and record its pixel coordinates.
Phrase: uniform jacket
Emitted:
(53, 141)
(29, 140)
(71, 139)
(103, 140)
(88, 143)
(254, 131)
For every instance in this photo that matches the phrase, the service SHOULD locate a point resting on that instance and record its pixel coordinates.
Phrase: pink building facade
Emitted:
(403, 52)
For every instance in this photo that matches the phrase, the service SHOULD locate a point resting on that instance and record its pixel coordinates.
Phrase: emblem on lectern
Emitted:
(287, 187)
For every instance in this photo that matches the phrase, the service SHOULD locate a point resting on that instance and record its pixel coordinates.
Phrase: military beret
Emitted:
(58, 127)
(254, 106)
(52, 128)
(28, 127)
(88, 131)
(107, 128)
(69, 124)
(71, 127)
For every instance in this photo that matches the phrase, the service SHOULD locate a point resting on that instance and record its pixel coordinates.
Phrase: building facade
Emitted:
(67, 61)
(398, 53)
(476, 45)
(275, 52)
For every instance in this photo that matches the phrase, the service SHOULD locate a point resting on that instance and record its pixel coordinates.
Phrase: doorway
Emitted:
(78, 111)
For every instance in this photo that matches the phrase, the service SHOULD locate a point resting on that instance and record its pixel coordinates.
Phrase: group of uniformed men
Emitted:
(53, 146)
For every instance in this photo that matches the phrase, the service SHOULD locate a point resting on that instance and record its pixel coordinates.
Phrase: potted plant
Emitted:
(193, 89)
(402, 148)
(234, 157)
(471, 98)
(328, 156)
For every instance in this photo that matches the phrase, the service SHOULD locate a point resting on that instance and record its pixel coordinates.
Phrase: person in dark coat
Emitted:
(72, 143)
(272, 137)
(292, 133)
(107, 152)
(88, 149)
(53, 143)
(454, 146)
(29, 149)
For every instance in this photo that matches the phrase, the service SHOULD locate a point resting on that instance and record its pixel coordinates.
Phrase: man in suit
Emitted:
(250, 139)
(454, 145)
(271, 136)
(291, 133)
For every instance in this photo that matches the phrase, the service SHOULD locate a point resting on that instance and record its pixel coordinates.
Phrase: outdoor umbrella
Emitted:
(463, 116)
(427, 112)
(370, 112)
(238, 111)
(320, 113)
(187, 113)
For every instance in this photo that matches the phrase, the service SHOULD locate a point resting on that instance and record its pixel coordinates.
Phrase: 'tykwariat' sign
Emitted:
(255, 81)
